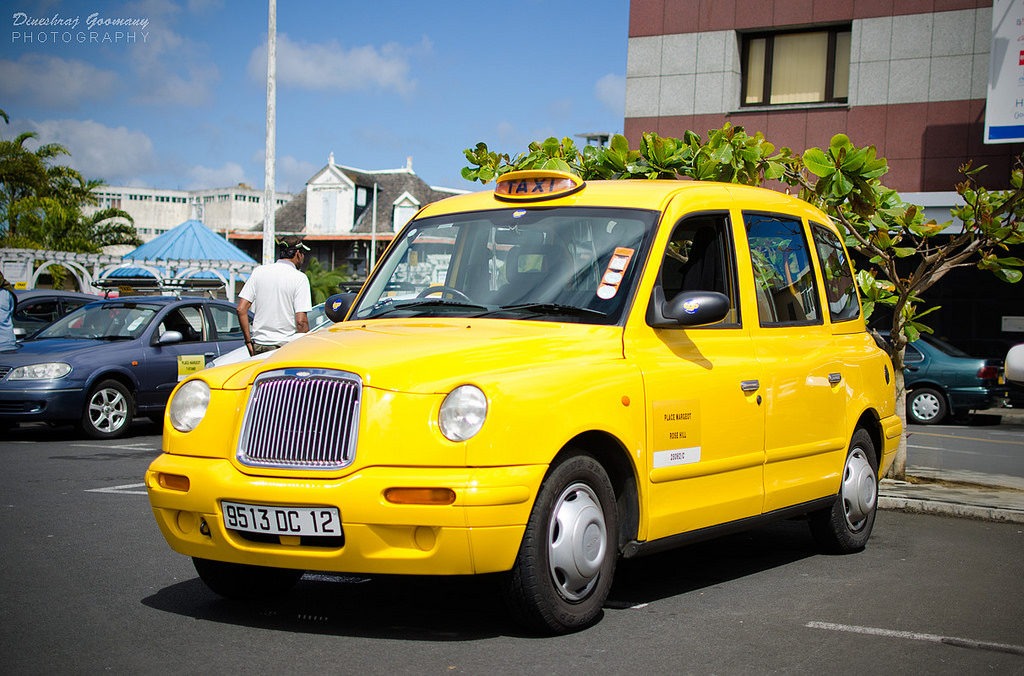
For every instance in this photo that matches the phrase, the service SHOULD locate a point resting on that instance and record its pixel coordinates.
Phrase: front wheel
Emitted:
(567, 558)
(108, 411)
(926, 406)
(846, 525)
(241, 582)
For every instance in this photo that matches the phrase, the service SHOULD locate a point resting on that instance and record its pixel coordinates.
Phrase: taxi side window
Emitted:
(840, 289)
(226, 323)
(912, 355)
(42, 311)
(783, 274)
(188, 321)
(699, 258)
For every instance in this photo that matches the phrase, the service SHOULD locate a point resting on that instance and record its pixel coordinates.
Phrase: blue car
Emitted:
(112, 360)
(943, 381)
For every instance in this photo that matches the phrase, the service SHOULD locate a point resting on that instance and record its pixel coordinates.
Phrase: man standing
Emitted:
(8, 303)
(279, 296)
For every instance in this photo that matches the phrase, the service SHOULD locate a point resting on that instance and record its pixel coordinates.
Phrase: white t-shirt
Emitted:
(277, 291)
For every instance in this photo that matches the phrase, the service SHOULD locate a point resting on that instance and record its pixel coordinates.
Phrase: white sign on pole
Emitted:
(1004, 111)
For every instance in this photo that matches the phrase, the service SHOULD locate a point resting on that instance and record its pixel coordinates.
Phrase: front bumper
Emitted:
(479, 533)
(41, 405)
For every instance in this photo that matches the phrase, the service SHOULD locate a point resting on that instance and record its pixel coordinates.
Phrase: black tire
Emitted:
(845, 527)
(245, 583)
(109, 410)
(567, 558)
(926, 406)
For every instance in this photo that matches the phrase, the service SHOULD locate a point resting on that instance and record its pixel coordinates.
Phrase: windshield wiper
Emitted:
(113, 338)
(547, 309)
(425, 302)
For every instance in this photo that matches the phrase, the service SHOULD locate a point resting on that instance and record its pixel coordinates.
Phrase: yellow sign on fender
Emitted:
(189, 364)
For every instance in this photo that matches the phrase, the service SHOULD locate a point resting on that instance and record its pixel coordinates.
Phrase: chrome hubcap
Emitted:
(860, 489)
(925, 406)
(577, 541)
(108, 410)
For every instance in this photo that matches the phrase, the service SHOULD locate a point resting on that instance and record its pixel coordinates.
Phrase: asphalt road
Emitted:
(982, 446)
(87, 584)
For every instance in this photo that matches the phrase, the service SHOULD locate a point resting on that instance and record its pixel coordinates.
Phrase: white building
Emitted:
(156, 211)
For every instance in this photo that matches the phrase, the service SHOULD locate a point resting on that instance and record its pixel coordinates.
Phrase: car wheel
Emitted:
(846, 525)
(926, 406)
(245, 583)
(108, 411)
(567, 558)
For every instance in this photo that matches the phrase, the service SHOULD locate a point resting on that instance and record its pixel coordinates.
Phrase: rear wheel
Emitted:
(567, 558)
(108, 411)
(926, 406)
(241, 582)
(846, 525)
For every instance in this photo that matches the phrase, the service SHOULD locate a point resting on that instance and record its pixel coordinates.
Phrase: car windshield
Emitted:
(569, 264)
(105, 321)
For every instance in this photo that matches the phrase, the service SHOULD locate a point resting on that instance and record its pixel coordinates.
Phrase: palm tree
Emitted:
(41, 202)
(325, 283)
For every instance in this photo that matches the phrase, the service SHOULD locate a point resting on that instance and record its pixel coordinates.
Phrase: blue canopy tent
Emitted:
(187, 256)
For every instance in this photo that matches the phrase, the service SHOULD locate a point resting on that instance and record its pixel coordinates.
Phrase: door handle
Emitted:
(750, 385)
(835, 378)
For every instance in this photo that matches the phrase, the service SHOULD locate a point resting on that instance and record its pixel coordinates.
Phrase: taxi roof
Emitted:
(639, 194)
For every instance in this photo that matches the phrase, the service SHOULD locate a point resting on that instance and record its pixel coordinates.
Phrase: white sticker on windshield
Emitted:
(136, 323)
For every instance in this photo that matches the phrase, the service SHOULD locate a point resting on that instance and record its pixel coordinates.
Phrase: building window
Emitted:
(796, 67)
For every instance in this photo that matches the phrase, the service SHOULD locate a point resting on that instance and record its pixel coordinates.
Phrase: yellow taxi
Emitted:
(538, 380)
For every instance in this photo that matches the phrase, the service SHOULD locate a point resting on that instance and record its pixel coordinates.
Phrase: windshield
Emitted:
(570, 264)
(107, 321)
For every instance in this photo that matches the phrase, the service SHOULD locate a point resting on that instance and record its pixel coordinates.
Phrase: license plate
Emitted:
(281, 520)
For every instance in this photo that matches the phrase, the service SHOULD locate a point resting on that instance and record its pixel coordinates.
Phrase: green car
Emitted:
(944, 381)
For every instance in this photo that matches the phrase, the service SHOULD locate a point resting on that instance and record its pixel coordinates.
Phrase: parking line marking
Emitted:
(915, 636)
(126, 489)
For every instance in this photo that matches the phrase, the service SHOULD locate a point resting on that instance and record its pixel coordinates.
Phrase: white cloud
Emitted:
(291, 173)
(112, 154)
(54, 82)
(610, 90)
(324, 67)
(226, 175)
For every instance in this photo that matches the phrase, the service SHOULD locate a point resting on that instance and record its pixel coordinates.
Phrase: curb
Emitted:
(938, 507)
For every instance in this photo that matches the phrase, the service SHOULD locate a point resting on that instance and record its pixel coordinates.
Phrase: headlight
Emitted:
(189, 405)
(48, 371)
(463, 413)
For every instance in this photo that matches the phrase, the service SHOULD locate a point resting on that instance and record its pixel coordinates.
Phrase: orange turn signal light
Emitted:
(420, 496)
(174, 482)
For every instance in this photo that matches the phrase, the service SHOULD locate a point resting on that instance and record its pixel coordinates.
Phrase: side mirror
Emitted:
(689, 308)
(169, 337)
(337, 306)
(1014, 367)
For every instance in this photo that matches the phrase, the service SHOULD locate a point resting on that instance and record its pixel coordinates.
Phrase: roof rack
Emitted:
(145, 285)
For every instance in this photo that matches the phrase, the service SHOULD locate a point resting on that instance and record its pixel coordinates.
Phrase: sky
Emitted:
(172, 94)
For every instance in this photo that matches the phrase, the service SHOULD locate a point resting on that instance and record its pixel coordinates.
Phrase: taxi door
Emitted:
(168, 363)
(705, 426)
(803, 389)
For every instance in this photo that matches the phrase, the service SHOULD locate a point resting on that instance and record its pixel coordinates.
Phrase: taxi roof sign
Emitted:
(536, 184)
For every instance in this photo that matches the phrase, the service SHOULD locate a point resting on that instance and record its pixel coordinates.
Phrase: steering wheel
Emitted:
(441, 289)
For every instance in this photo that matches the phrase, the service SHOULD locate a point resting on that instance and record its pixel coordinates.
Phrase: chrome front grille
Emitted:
(301, 419)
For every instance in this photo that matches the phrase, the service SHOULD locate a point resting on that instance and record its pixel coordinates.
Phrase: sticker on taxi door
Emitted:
(676, 432)
(189, 364)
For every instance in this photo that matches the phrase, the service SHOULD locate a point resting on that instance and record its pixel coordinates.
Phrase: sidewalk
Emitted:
(990, 497)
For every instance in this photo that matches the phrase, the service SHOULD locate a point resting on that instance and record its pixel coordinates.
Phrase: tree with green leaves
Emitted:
(907, 253)
(324, 283)
(42, 203)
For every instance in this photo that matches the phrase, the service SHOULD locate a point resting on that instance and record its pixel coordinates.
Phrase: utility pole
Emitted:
(269, 202)
(373, 234)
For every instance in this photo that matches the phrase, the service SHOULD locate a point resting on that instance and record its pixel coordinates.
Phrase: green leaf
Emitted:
(818, 163)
